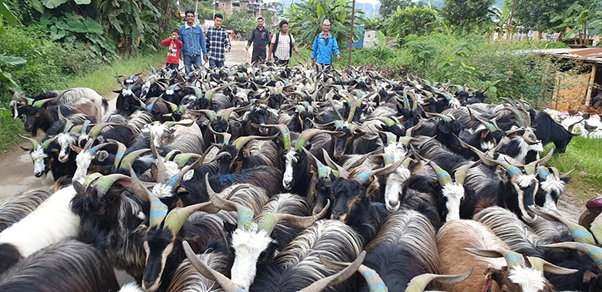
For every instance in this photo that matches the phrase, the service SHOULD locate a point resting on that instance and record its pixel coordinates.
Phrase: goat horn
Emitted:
(363, 176)
(47, 142)
(442, 176)
(566, 174)
(342, 172)
(174, 181)
(445, 118)
(18, 96)
(307, 135)
(34, 143)
(337, 278)
(513, 259)
(97, 147)
(95, 131)
(103, 184)
(138, 188)
(375, 282)
(207, 271)
(245, 215)
(183, 158)
(176, 217)
(90, 179)
(209, 113)
(186, 123)
(594, 252)
(121, 148)
(240, 142)
(460, 174)
(284, 132)
(579, 233)
(388, 121)
(270, 220)
(131, 157)
(227, 112)
(158, 210)
(161, 168)
(544, 266)
(322, 169)
(419, 283)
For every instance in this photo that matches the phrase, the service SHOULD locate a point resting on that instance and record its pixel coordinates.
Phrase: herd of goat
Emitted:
(261, 178)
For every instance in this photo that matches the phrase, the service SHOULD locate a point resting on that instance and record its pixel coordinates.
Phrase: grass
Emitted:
(101, 80)
(583, 155)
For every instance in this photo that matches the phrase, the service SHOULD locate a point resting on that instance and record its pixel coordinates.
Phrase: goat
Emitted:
(51, 222)
(19, 206)
(65, 266)
(402, 249)
(548, 131)
(251, 239)
(460, 243)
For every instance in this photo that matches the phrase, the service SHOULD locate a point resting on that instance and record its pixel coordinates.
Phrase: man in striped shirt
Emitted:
(282, 45)
(218, 43)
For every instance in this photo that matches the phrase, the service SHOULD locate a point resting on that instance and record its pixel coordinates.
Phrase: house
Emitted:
(252, 7)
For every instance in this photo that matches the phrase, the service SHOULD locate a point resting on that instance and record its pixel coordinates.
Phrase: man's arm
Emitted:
(203, 43)
(270, 51)
(314, 50)
(227, 42)
(335, 48)
(294, 45)
(251, 39)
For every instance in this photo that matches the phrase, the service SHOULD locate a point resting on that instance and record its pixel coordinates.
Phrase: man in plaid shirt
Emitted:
(218, 43)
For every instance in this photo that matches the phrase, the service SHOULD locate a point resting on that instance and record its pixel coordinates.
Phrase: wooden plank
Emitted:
(590, 85)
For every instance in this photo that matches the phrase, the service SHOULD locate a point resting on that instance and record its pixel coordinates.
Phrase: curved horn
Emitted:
(138, 187)
(162, 175)
(544, 266)
(419, 283)
(176, 217)
(342, 172)
(442, 176)
(18, 96)
(270, 220)
(245, 215)
(460, 174)
(579, 233)
(208, 272)
(512, 258)
(284, 132)
(104, 183)
(34, 143)
(594, 252)
(131, 157)
(240, 142)
(338, 277)
(121, 148)
(307, 135)
(95, 131)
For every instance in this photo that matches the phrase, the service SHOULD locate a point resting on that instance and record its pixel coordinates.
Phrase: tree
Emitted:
(388, 7)
(579, 18)
(413, 20)
(466, 13)
(278, 6)
(306, 19)
(538, 14)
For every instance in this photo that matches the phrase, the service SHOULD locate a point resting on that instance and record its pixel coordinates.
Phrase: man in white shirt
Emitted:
(282, 45)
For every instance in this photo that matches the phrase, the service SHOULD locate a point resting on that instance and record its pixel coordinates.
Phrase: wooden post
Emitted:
(590, 85)
(351, 40)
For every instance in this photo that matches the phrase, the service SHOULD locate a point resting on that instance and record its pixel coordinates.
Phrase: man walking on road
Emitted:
(282, 46)
(192, 36)
(260, 37)
(218, 43)
(324, 45)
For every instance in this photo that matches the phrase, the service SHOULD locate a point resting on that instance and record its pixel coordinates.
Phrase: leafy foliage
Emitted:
(578, 17)
(466, 14)
(537, 14)
(7, 14)
(388, 7)
(240, 21)
(413, 20)
(306, 19)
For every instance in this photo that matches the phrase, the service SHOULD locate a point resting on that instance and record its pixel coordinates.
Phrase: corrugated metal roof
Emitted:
(591, 55)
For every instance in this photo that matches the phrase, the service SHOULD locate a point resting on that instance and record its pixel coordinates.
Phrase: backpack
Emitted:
(290, 52)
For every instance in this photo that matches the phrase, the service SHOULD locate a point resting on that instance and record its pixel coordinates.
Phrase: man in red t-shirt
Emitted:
(174, 46)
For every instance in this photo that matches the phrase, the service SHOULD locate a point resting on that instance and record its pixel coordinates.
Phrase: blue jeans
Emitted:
(214, 63)
(195, 60)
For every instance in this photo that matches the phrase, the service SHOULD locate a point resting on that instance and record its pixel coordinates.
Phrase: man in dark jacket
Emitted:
(260, 37)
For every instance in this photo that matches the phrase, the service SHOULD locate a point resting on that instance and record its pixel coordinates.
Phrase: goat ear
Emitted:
(102, 155)
(78, 187)
(25, 149)
(154, 171)
(229, 228)
(75, 148)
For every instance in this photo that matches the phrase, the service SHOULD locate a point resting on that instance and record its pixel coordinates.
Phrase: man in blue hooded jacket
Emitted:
(191, 34)
(324, 45)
